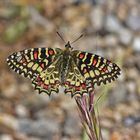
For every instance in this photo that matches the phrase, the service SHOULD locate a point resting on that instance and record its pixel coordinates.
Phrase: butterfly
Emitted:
(49, 68)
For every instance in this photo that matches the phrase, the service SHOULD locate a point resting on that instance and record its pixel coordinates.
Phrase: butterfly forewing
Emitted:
(34, 64)
(94, 68)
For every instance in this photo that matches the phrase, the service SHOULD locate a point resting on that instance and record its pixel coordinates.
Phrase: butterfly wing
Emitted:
(34, 64)
(48, 81)
(94, 69)
(75, 82)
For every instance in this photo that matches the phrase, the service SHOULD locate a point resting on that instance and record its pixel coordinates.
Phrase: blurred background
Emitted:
(111, 29)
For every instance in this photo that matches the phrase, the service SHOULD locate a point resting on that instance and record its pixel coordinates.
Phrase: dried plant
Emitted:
(88, 116)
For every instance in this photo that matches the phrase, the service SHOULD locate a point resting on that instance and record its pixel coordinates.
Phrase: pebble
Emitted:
(97, 17)
(116, 136)
(111, 41)
(121, 109)
(136, 44)
(72, 124)
(39, 128)
(119, 94)
(8, 84)
(129, 121)
(125, 36)
(21, 111)
(9, 121)
(122, 11)
(131, 86)
(105, 134)
(106, 123)
(133, 21)
(112, 24)
(6, 137)
(132, 73)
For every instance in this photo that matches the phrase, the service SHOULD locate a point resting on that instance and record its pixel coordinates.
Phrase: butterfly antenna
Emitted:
(77, 38)
(97, 35)
(61, 37)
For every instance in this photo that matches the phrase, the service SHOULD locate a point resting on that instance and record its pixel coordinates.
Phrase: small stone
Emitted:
(131, 86)
(9, 121)
(40, 128)
(122, 11)
(97, 18)
(132, 73)
(21, 111)
(136, 105)
(106, 123)
(125, 36)
(119, 94)
(121, 108)
(112, 24)
(105, 134)
(6, 137)
(116, 136)
(72, 126)
(136, 44)
(67, 103)
(129, 121)
(110, 5)
(117, 116)
(133, 21)
(8, 84)
(111, 40)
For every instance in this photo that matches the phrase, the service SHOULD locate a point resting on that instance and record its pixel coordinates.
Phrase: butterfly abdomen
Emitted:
(65, 65)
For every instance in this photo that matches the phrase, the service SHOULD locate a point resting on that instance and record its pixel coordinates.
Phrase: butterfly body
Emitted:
(50, 68)
(65, 60)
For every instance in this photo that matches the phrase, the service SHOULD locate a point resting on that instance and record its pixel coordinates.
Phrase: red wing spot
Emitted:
(40, 83)
(77, 88)
(94, 62)
(83, 86)
(42, 65)
(70, 86)
(35, 55)
(81, 55)
(51, 52)
(45, 86)
(38, 78)
(67, 83)
(104, 69)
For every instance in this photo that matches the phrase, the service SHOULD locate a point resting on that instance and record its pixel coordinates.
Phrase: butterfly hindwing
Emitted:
(94, 68)
(34, 63)
(75, 83)
(48, 81)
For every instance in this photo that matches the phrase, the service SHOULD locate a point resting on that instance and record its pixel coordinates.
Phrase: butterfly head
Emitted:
(68, 46)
